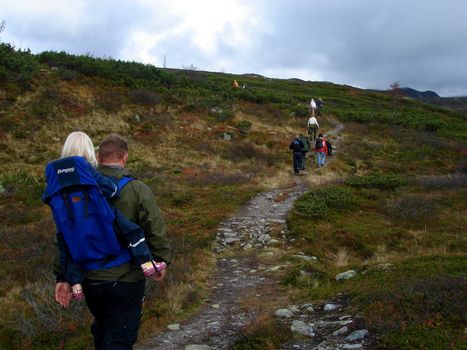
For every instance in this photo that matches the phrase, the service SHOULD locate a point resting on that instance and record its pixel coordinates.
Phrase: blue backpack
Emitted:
(82, 214)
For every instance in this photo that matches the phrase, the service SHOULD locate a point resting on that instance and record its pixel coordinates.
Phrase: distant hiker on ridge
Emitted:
(313, 107)
(319, 106)
(320, 148)
(296, 147)
(329, 146)
(313, 127)
(304, 150)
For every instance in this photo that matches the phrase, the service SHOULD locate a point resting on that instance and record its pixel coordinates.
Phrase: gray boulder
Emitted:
(302, 328)
(284, 313)
(359, 334)
(346, 275)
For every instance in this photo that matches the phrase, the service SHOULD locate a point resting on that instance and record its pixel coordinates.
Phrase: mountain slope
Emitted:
(205, 148)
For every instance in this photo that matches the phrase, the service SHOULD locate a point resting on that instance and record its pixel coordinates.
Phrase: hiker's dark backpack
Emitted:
(296, 145)
(82, 214)
(319, 143)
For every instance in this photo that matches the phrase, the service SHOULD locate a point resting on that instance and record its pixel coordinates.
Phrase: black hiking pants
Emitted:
(303, 161)
(312, 130)
(116, 307)
(297, 162)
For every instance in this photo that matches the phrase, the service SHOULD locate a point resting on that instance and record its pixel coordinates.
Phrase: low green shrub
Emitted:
(317, 204)
(377, 180)
(224, 116)
(243, 126)
(336, 197)
(306, 275)
(67, 74)
(300, 110)
(24, 187)
(17, 66)
(311, 207)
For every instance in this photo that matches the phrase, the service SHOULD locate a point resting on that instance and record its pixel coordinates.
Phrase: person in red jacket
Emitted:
(320, 148)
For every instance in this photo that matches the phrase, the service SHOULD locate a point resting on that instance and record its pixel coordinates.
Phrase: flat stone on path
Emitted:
(284, 313)
(330, 307)
(352, 346)
(302, 328)
(341, 331)
(197, 347)
(359, 334)
(275, 268)
(230, 240)
(173, 327)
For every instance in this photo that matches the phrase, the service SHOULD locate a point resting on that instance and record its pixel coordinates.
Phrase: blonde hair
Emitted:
(79, 144)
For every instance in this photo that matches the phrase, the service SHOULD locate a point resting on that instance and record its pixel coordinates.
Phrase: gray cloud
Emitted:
(366, 43)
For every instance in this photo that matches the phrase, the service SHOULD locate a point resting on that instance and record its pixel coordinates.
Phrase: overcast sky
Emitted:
(364, 43)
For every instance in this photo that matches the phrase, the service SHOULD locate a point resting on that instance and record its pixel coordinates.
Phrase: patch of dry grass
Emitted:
(342, 258)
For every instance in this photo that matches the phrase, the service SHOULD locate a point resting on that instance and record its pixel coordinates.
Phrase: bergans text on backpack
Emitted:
(319, 144)
(82, 215)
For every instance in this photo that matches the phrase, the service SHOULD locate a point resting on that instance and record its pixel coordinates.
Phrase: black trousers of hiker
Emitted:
(297, 162)
(116, 307)
(303, 161)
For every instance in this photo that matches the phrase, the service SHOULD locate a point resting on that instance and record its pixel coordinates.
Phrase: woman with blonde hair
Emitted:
(79, 144)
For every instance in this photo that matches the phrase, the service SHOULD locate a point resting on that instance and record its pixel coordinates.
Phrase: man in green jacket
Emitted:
(305, 149)
(115, 295)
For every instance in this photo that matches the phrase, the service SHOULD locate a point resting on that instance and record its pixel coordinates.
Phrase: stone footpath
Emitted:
(327, 327)
(221, 320)
(240, 278)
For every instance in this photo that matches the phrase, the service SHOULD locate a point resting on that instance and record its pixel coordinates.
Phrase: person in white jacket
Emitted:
(313, 127)
(313, 107)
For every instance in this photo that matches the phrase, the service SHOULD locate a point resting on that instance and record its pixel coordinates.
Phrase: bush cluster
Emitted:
(16, 66)
(131, 74)
(377, 180)
(243, 126)
(317, 204)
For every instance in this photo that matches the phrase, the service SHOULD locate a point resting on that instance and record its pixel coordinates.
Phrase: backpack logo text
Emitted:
(67, 170)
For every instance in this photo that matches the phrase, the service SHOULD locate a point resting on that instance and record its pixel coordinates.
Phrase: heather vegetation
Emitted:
(399, 222)
(390, 205)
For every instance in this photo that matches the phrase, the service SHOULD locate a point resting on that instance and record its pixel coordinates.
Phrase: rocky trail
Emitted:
(247, 247)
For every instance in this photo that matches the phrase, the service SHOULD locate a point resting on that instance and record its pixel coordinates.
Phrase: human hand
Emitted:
(159, 275)
(63, 294)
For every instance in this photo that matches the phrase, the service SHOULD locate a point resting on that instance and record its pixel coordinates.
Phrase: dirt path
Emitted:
(247, 247)
(238, 279)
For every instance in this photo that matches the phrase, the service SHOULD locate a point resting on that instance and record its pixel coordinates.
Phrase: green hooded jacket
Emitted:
(136, 203)
(306, 143)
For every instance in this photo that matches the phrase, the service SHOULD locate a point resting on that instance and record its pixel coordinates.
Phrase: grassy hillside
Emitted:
(205, 148)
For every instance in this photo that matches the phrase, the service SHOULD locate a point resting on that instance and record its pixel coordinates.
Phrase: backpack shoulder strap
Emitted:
(124, 181)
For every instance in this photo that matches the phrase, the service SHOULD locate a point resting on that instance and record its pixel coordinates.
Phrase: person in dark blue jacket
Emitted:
(296, 147)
